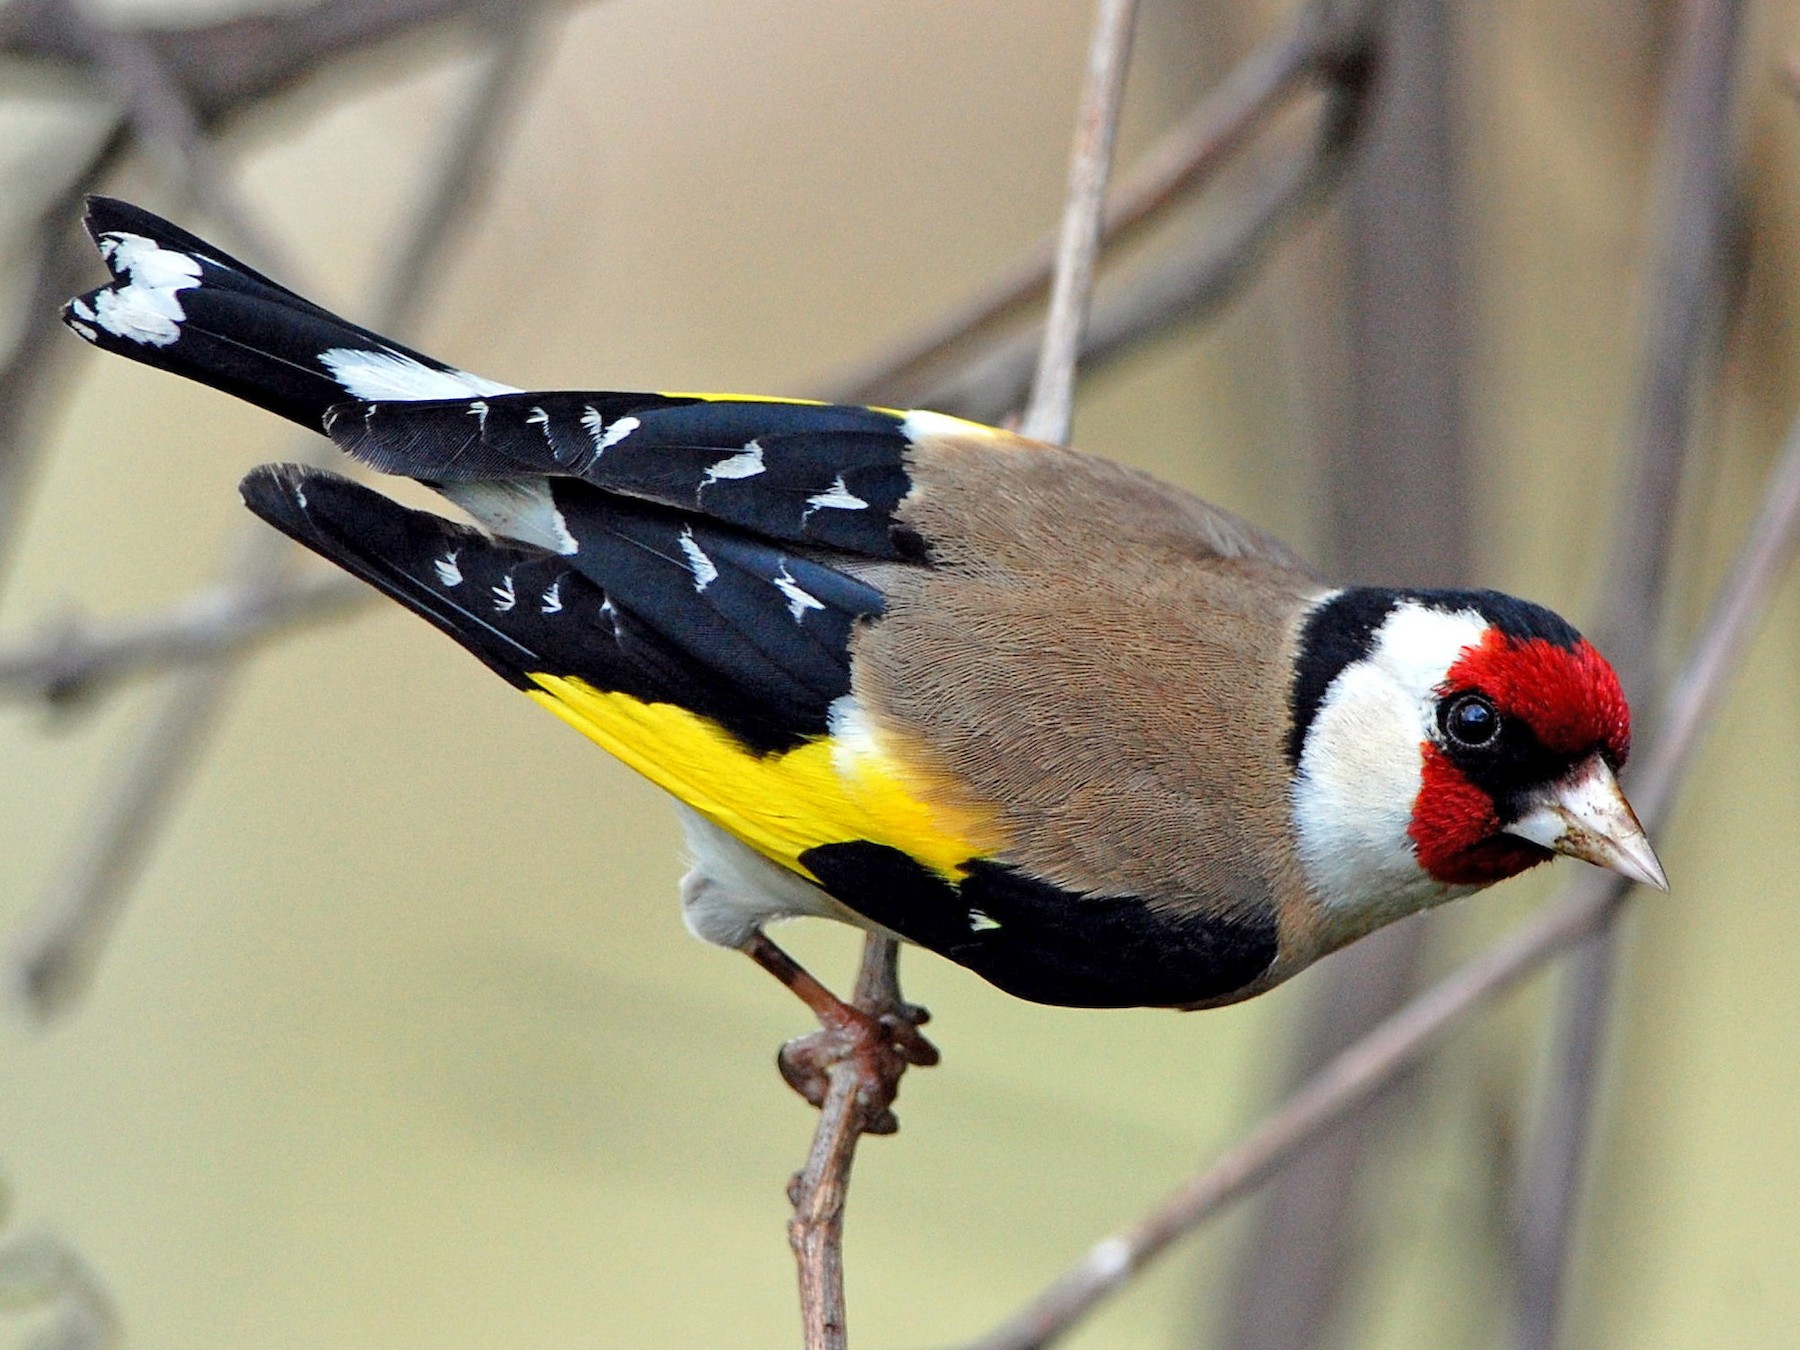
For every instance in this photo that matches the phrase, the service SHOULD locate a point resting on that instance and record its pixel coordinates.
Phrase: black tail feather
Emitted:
(178, 303)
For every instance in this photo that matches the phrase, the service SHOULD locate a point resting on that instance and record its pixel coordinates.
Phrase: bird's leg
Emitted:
(879, 1036)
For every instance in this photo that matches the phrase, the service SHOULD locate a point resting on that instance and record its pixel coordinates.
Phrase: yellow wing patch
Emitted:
(781, 805)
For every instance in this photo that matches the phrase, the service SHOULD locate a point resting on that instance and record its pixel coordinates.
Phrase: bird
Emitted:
(1096, 740)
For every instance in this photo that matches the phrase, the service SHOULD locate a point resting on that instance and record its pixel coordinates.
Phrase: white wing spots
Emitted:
(550, 602)
(606, 437)
(369, 374)
(798, 600)
(746, 463)
(837, 497)
(504, 597)
(300, 496)
(79, 309)
(479, 411)
(611, 615)
(449, 573)
(980, 922)
(540, 419)
(147, 307)
(698, 563)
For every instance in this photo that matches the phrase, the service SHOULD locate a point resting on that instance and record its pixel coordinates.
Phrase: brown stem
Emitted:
(1052, 402)
(1317, 40)
(821, 1188)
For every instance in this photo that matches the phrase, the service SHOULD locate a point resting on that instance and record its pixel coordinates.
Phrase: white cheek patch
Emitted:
(147, 308)
(1360, 769)
(376, 375)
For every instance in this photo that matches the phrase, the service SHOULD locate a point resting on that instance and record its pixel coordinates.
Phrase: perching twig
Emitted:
(1398, 1043)
(1052, 404)
(1323, 35)
(1687, 271)
(55, 962)
(818, 1193)
(820, 1190)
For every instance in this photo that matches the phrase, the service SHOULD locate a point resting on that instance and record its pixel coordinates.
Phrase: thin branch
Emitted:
(862, 1085)
(77, 661)
(220, 69)
(39, 1272)
(1196, 276)
(1396, 468)
(40, 347)
(820, 1190)
(1322, 35)
(1683, 328)
(56, 962)
(1052, 403)
(162, 118)
(1401, 1041)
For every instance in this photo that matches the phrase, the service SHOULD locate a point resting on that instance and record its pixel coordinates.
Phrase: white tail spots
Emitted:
(449, 573)
(746, 463)
(504, 597)
(837, 497)
(798, 600)
(479, 411)
(551, 600)
(980, 922)
(698, 563)
(540, 419)
(606, 437)
(146, 308)
(378, 374)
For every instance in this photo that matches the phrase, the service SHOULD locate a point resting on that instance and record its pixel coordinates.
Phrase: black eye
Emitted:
(1470, 721)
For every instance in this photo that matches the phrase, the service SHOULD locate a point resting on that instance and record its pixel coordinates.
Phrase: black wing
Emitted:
(803, 473)
(655, 606)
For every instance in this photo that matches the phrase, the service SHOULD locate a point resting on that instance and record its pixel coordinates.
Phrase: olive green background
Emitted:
(401, 1042)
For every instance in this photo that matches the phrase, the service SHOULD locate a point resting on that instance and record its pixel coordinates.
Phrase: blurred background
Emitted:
(396, 1039)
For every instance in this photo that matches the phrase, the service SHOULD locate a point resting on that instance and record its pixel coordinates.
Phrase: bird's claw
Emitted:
(876, 1047)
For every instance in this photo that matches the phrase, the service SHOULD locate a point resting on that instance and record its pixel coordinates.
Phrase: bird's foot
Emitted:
(877, 1047)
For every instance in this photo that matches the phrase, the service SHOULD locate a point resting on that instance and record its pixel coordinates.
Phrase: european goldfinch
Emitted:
(1102, 743)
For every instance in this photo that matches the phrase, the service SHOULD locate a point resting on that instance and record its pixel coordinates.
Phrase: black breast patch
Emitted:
(1042, 943)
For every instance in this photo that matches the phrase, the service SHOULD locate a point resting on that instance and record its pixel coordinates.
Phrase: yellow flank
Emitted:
(781, 804)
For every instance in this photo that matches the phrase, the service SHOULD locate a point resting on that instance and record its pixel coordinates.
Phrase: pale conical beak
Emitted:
(1586, 816)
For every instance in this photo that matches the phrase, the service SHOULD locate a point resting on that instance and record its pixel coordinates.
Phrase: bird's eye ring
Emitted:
(1470, 721)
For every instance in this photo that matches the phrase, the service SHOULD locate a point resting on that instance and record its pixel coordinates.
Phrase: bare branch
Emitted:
(1052, 402)
(1196, 276)
(820, 1190)
(162, 118)
(61, 255)
(219, 69)
(79, 660)
(39, 1272)
(1683, 328)
(1323, 35)
(1402, 1040)
(56, 962)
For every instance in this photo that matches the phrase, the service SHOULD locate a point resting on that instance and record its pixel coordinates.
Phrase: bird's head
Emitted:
(1445, 740)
